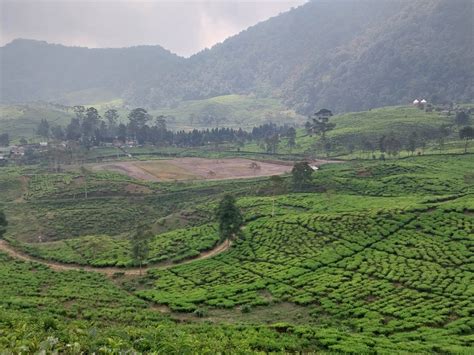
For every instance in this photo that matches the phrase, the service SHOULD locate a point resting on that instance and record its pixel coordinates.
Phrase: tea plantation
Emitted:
(373, 257)
(115, 251)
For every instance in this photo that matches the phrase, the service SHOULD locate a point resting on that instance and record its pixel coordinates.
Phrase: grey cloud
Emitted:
(184, 27)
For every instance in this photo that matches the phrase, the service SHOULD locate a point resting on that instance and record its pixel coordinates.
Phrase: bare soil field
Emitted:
(195, 169)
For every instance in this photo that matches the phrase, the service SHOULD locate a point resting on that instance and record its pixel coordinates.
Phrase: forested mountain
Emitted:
(347, 55)
(36, 70)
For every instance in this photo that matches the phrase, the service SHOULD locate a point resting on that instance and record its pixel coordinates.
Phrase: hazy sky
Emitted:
(183, 27)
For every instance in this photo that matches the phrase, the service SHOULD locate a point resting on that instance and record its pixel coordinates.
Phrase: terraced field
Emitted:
(398, 279)
(380, 259)
(116, 251)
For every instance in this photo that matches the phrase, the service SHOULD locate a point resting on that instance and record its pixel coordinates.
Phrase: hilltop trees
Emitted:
(412, 143)
(391, 145)
(111, 116)
(90, 125)
(229, 217)
(320, 125)
(89, 129)
(271, 143)
(138, 118)
(73, 130)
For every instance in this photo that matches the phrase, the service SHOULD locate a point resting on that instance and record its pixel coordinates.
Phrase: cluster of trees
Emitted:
(392, 145)
(90, 129)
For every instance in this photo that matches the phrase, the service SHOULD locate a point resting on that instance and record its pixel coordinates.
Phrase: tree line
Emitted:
(90, 129)
(389, 144)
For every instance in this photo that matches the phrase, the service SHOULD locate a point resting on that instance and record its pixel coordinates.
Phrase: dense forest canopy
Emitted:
(347, 55)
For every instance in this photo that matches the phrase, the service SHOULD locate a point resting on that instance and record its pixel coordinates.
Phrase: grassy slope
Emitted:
(94, 96)
(233, 110)
(399, 120)
(238, 110)
(22, 120)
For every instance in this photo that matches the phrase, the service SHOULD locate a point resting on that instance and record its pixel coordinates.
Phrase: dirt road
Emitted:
(109, 271)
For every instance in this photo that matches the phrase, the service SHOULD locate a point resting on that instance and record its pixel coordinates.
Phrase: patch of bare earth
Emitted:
(196, 169)
(220, 169)
(127, 168)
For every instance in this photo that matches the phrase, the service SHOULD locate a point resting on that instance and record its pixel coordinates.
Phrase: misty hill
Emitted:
(36, 70)
(344, 55)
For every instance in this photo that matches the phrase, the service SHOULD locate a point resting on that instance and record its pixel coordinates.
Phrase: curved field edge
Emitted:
(105, 250)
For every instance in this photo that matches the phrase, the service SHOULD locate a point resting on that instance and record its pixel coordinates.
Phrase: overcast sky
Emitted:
(183, 27)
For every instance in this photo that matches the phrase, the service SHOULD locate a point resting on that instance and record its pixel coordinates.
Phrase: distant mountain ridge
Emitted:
(37, 70)
(346, 55)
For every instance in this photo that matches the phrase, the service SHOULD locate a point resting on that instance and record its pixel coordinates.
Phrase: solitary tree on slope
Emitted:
(229, 217)
(320, 125)
(140, 246)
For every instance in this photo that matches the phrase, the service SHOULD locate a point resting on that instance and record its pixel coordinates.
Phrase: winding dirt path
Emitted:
(110, 270)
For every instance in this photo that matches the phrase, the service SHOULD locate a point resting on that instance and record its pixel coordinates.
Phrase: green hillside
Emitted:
(347, 55)
(22, 120)
(379, 260)
(236, 111)
(354, 128)
(401, 120)
(293, 200)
